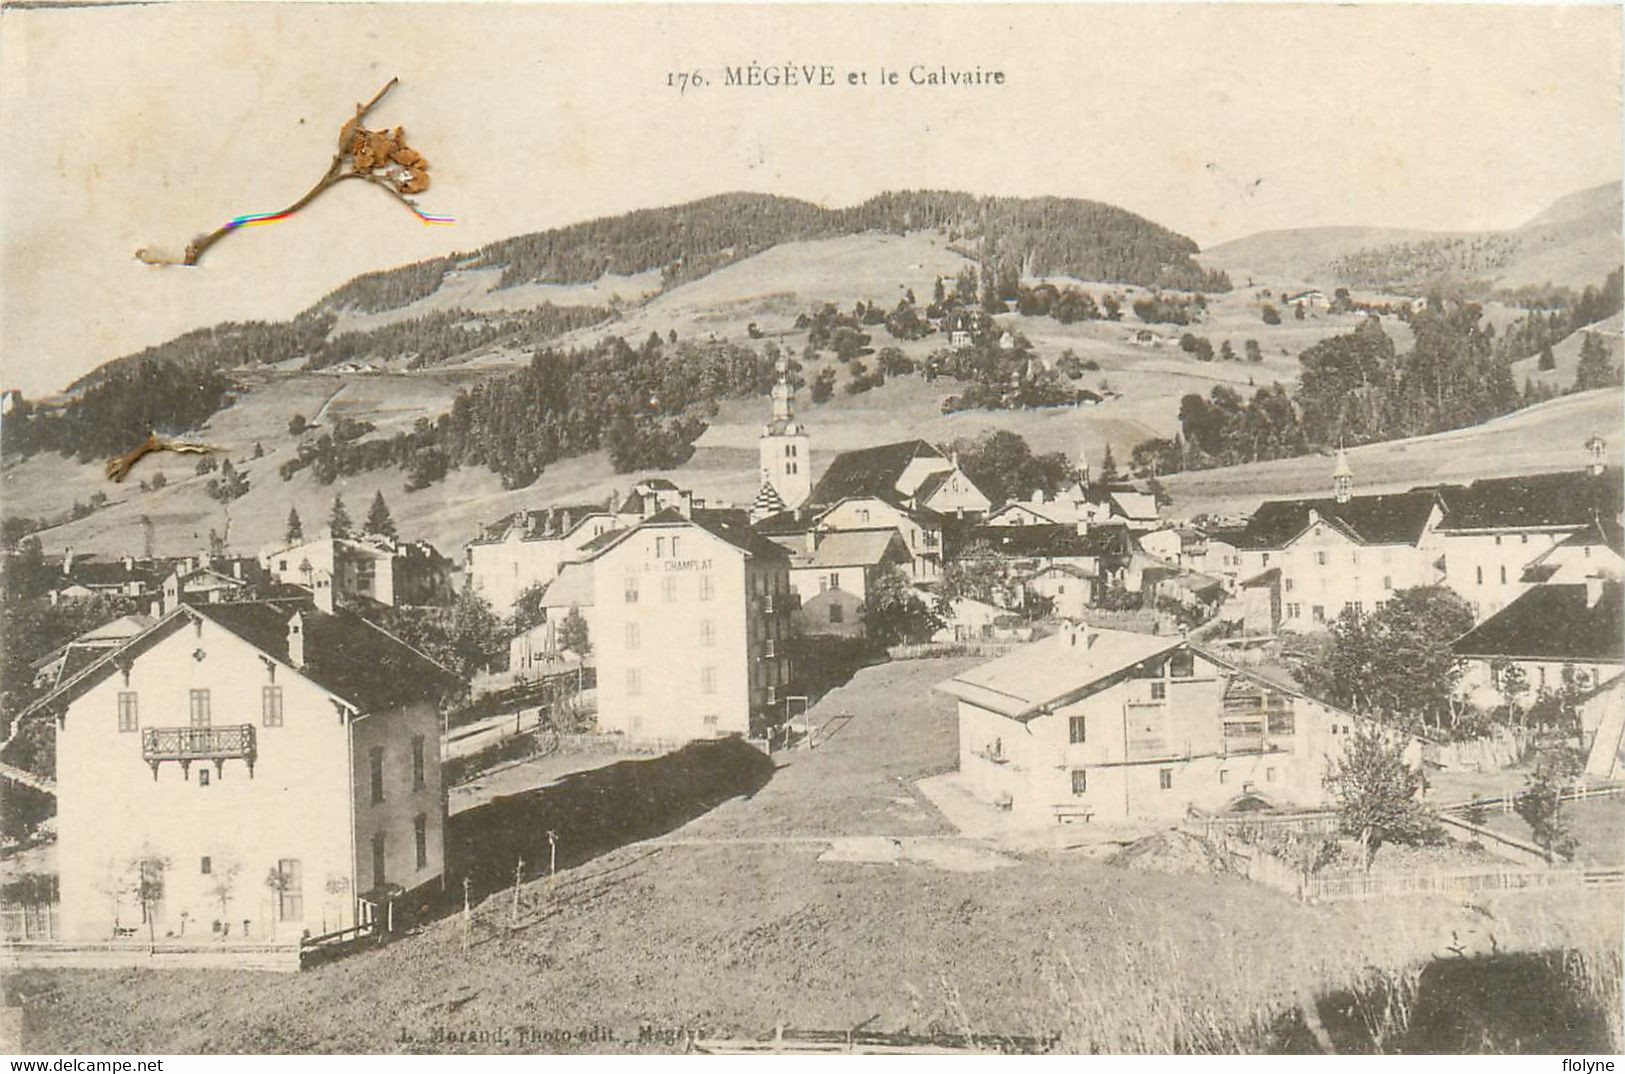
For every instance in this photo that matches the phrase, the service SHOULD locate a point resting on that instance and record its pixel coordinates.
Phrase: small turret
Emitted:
(1342, 478)
(1594, 449)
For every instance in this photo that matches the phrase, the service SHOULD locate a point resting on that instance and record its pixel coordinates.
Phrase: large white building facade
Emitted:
(273, 767)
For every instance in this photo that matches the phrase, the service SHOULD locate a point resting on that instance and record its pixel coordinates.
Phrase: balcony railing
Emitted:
(188, 744)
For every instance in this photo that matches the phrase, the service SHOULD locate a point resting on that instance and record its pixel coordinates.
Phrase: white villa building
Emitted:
(232, 745)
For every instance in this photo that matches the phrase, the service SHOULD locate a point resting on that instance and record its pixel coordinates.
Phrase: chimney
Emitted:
(1314, 516)
(296, 640)
(812, 540)
(1593, 589)
(322, 591)
(564, 521)
(67, 560)
(129, 563)
(236, 568)
(685, 503)
(1038, 495)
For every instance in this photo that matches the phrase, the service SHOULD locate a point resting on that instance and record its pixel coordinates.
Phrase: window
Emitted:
(863, 514)
(1498, 540)
(834, 579)
(1320, 559)
(206, 866)
(420, 838)
(707, 589)
(1503, 574)
(837, 614)
(710, 724)
(634, 682)
(632, 590)
(674, 541)
(1480, 572)
(1224, 775)
(631, 635)
(1358, 606)
(127, 719)
(660, 546)
(1165, 779)
(418, 781)
(1077, 729)
(1293, 611)
(200, 708)
(1159, 690)
(290, 890)
(668, 588)
(1182, 665)
(379, 858)
(1264, 560)
(708, 633)
(1286, 584)
(708, 680)
(1318, 613)
(1282, 723)
(375, 765)
(1269, 775)
(1388, 581)
(203, 777)
(271, 706)
(1523, 538)
(1080, 781)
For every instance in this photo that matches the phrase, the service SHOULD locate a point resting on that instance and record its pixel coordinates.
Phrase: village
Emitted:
(1083, 671)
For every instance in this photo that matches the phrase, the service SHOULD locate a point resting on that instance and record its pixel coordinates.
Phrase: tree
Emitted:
(1002, 465)
(259, 450)
(147, 884)
(1548, 360)
(476, 635)
(1378, 793)
(823, 385)
(158, 481)
(979, 578)
(1227, 352)
(338, 521)
(1108, 466)
(1542, 809)
(1255, 353)
(279, 883)
(1596, 369)
(297, 424)
(894, 612)
(379, 520)
(295, 529)
(1271, 314)
(573, 632)
(527, 607)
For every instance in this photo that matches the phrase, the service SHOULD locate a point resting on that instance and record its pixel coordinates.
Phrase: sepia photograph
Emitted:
(811, 529)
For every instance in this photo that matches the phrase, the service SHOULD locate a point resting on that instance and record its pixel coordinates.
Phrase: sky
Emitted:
(144, 125)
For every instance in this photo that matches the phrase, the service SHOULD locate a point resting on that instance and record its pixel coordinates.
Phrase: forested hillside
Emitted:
(1059, 236)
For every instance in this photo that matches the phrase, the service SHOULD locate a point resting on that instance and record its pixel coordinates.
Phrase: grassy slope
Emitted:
(1547, 437)
(744, 936)
(1567, 355)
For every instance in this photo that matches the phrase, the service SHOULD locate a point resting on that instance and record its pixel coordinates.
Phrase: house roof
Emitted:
(572, 587)
(728, 526)
(870, 471)
(1055, 540)
(1262, 579)
(1570, 498)
(363, 665)
(858, 548)
(1135, 505)
(1058, 670)
(540, 523)
(1398, 518)
(1552, 622)
(114, 572)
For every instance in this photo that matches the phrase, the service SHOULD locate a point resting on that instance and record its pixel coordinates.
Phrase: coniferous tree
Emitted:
(379, 520)
(295, 530)
(338, 522)
(1596, 369)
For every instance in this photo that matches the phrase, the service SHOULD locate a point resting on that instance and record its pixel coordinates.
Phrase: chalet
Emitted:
(85, 577)
(370, 567)
(1313, 299)
(1107, 726)
(966, 619)
(1550, 632)
(1069, 589)
(311, 814)
(68, 660)
(833, 580)
(1103, 553)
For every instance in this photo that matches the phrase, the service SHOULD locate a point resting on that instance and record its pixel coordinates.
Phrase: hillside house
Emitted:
(1105, 726)
(1070, 590)
(833, 581)
(232, 743)
(85, 577)
(1549, 630)
(68, 660)
(370, 567)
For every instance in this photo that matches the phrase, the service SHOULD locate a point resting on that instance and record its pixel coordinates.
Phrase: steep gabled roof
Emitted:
(870, 471)
(1397, 518)
(1552, 622)
(858, 548)
(540, 523)
(1570, 498)
(1058, 670)
(571, 587)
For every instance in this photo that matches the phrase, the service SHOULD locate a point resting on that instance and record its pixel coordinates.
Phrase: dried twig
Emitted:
(379, 157)
(118, 468)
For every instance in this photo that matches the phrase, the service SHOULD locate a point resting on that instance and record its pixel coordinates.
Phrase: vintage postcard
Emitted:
(811, 529)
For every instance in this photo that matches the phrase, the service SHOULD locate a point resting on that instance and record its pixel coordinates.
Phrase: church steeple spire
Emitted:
(782, 395)
(1342, 477)
(785, 448)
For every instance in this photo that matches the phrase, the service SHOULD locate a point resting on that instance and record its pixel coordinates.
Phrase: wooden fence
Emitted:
(1262, 867)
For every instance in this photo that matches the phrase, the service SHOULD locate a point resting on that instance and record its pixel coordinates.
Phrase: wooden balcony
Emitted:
(188, 744)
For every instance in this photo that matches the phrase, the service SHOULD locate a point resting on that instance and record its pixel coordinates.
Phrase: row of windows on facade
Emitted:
(1317, 612)
(1287, 584)
(200, 708)
(290, 872)
(1165, 779)
(1276, 723)
(669, 588)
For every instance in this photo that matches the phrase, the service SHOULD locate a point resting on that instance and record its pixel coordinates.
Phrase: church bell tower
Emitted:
(785, 448)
